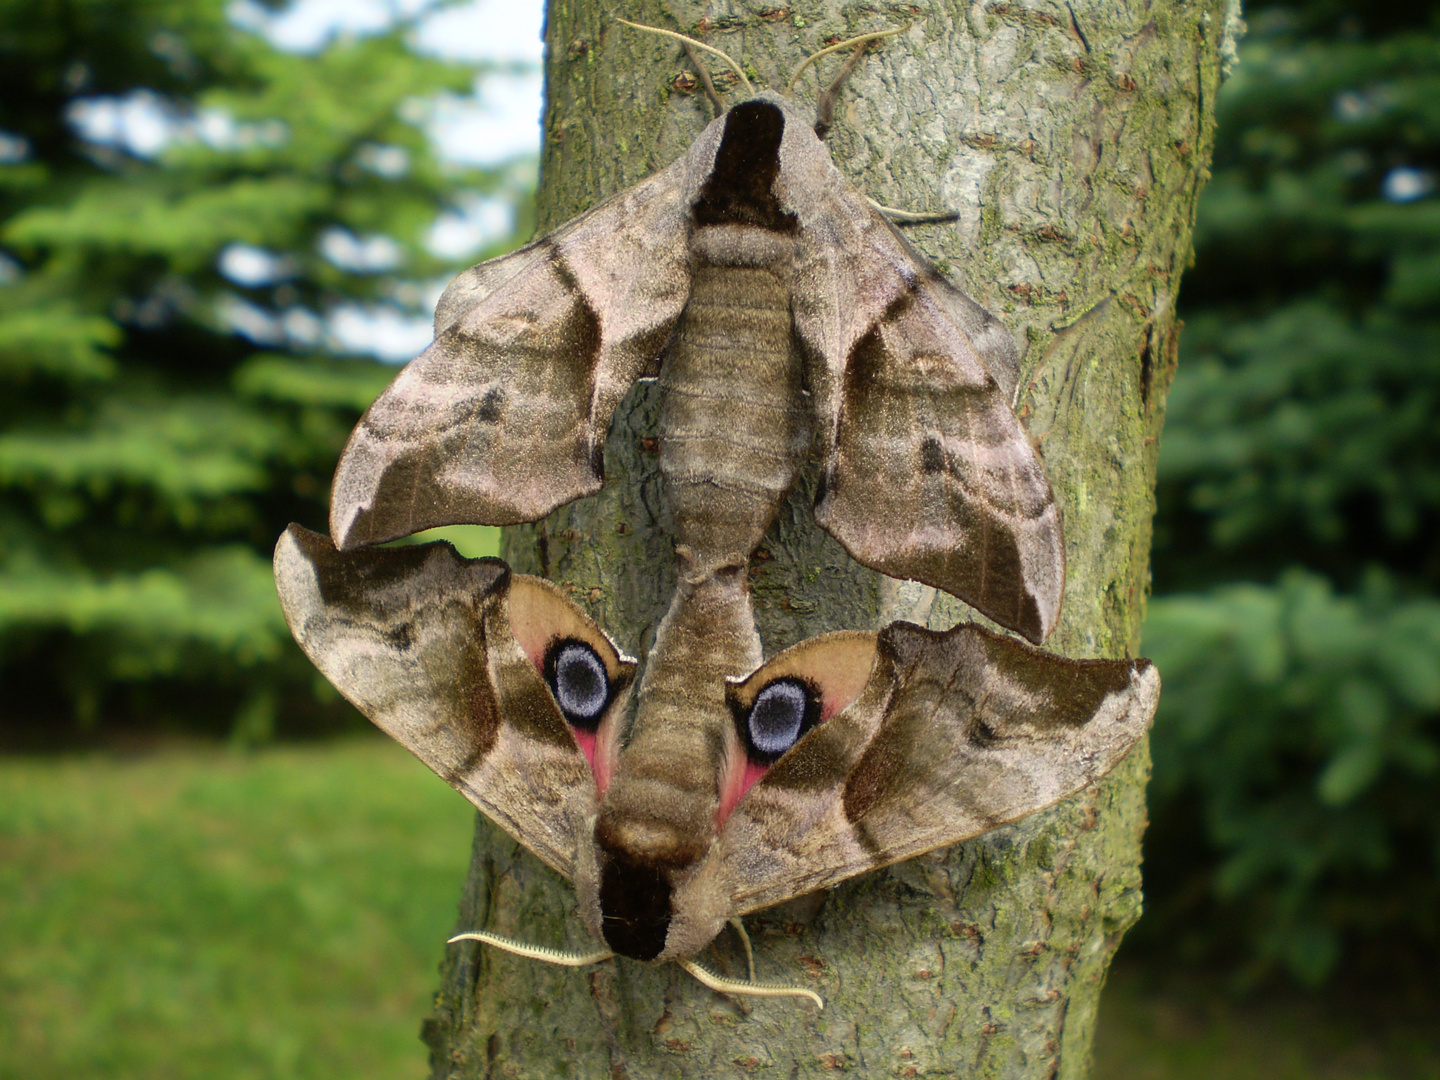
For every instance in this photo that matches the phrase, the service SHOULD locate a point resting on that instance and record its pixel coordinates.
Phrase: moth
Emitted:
(846, 752)
(780, 310)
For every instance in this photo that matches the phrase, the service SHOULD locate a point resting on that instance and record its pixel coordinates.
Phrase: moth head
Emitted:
(628, 898)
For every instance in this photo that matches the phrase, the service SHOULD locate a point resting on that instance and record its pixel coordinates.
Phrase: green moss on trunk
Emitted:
(1073, 141)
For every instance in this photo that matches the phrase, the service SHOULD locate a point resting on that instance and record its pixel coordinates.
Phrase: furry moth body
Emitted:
(779, 310)
(846, 752)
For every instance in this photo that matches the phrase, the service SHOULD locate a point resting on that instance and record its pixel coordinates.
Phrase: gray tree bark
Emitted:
(1073, 138)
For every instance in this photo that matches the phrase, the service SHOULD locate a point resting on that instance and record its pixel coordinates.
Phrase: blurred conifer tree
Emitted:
(183, 209)
(1296, 802)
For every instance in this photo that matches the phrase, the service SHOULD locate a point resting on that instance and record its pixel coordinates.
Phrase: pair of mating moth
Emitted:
(780, 312)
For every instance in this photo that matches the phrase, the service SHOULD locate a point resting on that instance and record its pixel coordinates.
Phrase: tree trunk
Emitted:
(1073, 139)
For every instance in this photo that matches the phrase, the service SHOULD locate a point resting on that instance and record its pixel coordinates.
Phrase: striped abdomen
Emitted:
(735, 421)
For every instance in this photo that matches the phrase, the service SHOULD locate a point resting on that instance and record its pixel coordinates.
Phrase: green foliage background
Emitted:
(150, 453)
(1296, 802)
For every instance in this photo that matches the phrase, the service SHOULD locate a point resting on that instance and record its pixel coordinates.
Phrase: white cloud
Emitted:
(503, 124)
(504, 31)
(138, 121)
(383, 332)
(303, 327)
(391, 162)
(252, 266)
(308, 25)
(364, 255)
(219, 129)
(13, 148)
(500, 123)
(498, 30)
(256, 324)
(480, 221)
(1406, 184)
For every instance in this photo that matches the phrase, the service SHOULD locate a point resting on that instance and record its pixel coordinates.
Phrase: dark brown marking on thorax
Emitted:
(740, 187)
(634, 906)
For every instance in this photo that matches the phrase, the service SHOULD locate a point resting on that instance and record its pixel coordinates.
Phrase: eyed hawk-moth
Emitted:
(780, 310)
(846, 752)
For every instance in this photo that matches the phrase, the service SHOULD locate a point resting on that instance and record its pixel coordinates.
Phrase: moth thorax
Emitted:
(639, 858)
(635, 905)
(742, 245)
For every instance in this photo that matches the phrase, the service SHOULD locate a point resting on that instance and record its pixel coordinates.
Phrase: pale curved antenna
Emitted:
(562, 958)
(722, 985)
(739, 71)
(533, 952)
(848, 43)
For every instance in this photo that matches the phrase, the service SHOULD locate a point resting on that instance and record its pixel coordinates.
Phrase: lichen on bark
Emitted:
(1072, 138)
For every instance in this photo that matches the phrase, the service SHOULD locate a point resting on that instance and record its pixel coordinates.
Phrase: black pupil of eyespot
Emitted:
(777, 717)
(579, 682)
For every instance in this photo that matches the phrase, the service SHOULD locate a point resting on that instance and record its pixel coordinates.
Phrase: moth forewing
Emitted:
(418, 638)
(503, 418)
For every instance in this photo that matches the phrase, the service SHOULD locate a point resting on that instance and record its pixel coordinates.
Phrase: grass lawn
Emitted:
(200, 913)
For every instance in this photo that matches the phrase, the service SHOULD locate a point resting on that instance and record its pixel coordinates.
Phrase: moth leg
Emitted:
(722, 985)
(714, 95)
(738, 925)
(825, 103)
(909, 217)
(559, 957)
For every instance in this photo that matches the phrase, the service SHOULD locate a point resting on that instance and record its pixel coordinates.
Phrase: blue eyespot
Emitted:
(579, 681)
(783, 711)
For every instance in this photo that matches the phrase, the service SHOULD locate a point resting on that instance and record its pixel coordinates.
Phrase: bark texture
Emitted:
(1073, 139)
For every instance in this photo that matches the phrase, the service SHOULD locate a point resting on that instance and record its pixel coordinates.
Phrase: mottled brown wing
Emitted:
(504, 417)
(927, 472)
(421, 641)
(954, 734)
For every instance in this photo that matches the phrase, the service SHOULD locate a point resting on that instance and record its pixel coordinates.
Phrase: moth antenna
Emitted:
(533, 952)
(910, 217)
(744, 80)
(739, 927)
(863, 39)
(714, 95)
(740, 988)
